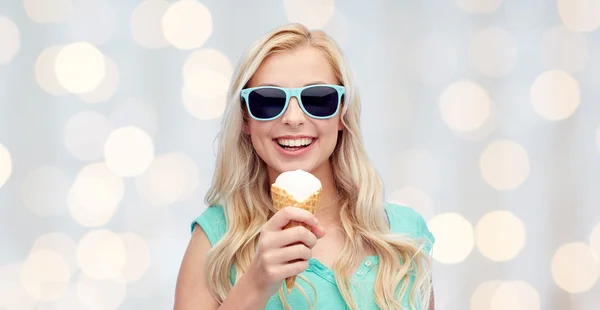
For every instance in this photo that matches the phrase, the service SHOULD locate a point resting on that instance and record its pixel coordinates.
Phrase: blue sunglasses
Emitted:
(266, 103)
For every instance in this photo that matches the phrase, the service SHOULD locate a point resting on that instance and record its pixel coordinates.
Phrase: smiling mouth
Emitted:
(294, 144)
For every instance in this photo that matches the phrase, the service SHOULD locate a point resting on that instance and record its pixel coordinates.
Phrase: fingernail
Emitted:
(316, 221)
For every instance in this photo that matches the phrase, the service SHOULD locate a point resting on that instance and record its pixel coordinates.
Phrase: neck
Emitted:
(328, 211)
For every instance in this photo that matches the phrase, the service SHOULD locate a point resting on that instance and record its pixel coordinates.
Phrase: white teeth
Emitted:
(295, 142)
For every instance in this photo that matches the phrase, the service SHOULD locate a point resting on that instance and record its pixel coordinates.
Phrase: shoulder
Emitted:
(213, 222)
(405, 220)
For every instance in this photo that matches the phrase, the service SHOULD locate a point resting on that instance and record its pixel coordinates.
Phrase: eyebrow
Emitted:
(270, 84)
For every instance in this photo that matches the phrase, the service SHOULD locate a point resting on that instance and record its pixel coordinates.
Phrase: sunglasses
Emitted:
(266, 103)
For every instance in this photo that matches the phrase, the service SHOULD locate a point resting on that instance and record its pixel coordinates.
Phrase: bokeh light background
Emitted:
(482, 115)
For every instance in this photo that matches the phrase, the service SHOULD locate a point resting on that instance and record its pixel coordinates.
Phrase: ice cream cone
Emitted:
(281, 198)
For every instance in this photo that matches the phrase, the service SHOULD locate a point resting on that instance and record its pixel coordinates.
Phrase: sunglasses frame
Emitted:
(293, 92)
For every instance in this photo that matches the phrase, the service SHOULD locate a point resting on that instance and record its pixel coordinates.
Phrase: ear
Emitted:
(340, 125)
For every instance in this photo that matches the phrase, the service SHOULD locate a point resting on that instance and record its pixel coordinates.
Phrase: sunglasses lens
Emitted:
(320, 101)
(266, 103)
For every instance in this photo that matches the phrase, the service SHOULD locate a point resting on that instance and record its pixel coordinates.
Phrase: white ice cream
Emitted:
(298, 183)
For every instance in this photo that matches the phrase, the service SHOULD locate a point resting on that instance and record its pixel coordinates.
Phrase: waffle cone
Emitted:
(281, 199)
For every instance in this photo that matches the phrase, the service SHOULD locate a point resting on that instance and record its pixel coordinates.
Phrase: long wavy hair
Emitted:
(241, 185)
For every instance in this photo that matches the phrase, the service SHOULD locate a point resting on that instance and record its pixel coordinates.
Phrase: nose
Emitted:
(293, 116)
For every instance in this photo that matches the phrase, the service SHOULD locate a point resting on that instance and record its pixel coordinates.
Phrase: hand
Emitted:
(283, 253)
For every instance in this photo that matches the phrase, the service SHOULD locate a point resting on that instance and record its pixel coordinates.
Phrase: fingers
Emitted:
(293, 235)
(292, 253)
(287, 214)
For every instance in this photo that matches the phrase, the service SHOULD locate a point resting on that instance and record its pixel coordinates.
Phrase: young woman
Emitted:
(293, 104)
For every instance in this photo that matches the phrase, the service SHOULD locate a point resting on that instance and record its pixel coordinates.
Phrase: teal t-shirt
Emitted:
(403, 220)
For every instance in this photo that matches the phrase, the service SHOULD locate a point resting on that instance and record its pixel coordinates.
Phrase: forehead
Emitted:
(294, 68)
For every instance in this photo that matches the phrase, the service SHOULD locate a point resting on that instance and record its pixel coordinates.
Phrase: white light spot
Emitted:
(45, 275)
(575, 268)
(478, 6)
(48, 11)
(504, 165)
(312, 13)
(500, 236)
(415, 198)
(580, 15)
(516, 295)
(187, 24)
(85, 134)
(482, 296)
(492, 52)
(128, 151)
(95, 195)
(80, 67)
(101, 294)
(454, 238)
(555, 95)
(203, 109)
(12, 294)
(162, 183)
(134, 112)
(45, 74)
(107, 87)
(44, 191)
(59, 243)
(146, 23)
(138, 257)
(5, 165)
(465, 106)
(94, 21)
(10, 40)
(206, 84)
(434, 59)
(101, 254)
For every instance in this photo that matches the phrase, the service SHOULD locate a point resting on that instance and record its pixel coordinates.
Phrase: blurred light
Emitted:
(580, 15)
(134, 112)
(434, 59)
(128, 151)
(190, 174)
(45, 74)
(94, 21)
(454, 237)
(203, 109)
(101, 254)
(187, 24)
(85, 134)
(312, 13)
(555, 95)
(48, 11)
(515, 295)
(492, 52)
(564, 49)
(138, 257)
(95, 195)
(595, 241)
(416, 167)
(482, 296)
(206, 84)
(12, 294)
(44, 191)
(478, 6)
(575, 268)
(45, 275)
(68, 301)
(146, 23)
(59, 243)
(504, 165)
(80, 67)
(10, 40)
(5, 165)
(163, 182)
(107, 87)
(465, 106)
(337, 28)
(415, 198)
(101, 294)
(500, 235)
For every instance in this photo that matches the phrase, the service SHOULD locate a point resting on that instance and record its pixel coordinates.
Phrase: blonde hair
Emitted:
(241, 185)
